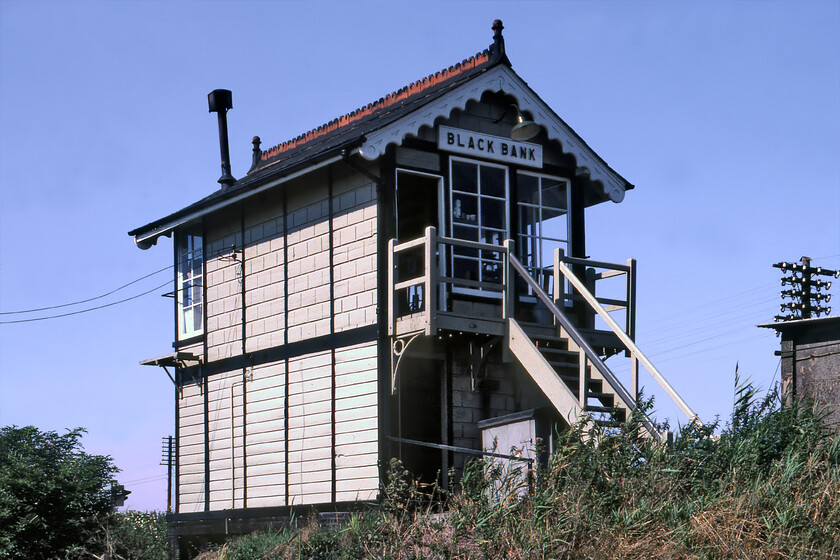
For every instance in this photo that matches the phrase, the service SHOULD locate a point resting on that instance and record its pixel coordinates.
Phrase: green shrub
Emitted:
(52, 493)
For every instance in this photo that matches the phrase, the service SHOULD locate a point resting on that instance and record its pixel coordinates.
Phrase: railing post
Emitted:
(634, 377)
(631, 301)
(591, 278)
(431, 280)
(392, 296)
(508, 292)
(583, 378)
(559, 281)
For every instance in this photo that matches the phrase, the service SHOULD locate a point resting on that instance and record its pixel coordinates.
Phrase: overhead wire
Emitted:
(115, 290)
(80, 311)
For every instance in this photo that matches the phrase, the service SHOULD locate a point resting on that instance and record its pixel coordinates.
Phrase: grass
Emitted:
(767, 486)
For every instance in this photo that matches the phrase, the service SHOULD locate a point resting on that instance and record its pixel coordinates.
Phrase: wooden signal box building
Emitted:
(398, 282)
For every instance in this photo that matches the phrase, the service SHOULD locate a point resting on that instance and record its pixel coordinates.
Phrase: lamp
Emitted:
(523, 130)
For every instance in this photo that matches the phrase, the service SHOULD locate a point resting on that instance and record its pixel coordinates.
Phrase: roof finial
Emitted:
(497, 49)
(256, 155)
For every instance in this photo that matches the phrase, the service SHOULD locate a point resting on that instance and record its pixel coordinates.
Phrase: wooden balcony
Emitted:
(547, 317)
(429, 297)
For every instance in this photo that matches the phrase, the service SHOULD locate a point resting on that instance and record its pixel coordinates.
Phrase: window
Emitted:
(479, 213)
(190, 300)
(543, 205)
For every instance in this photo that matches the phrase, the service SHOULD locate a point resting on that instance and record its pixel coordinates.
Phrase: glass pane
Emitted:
(493, 181)
(466, 268)
(469, 234)
(496, 237)
(491, 268)
(554, 236)
(465, 208)
(527, 186)
(527, 250)
(528, 217)
(493, 213)
(197, 316)
(465, 232)
(554, 227)
(553, 193)
(464, 176)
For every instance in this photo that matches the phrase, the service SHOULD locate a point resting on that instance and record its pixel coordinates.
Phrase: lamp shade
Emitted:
(523, 130)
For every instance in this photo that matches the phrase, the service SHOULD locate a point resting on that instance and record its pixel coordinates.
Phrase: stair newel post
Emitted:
(392, 293)
(634, 378)
(631, 300)
(558, 279)
(508, 292)
(431, 280)
(630, 327)
(583, 378)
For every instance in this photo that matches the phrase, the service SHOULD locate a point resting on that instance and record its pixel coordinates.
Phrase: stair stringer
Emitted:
(523, 348)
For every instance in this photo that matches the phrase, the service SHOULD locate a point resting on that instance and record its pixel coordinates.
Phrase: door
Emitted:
(418, 199)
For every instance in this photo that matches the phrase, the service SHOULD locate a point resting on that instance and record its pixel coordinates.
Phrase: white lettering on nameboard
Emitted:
(497, 148)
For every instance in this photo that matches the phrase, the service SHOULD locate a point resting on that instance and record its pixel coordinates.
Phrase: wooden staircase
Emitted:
(576, 386)
(566, 363)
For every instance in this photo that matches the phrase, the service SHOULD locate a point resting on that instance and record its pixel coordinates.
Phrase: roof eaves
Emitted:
(147, 235)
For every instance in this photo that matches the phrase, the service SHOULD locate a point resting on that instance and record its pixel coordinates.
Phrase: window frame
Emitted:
(189, 286)
(539, 238)
(477, 224)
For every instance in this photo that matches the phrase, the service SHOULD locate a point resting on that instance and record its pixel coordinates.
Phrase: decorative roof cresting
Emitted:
(491, 56)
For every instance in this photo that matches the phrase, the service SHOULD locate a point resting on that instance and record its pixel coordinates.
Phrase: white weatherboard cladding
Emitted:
(191, 449)
(265, 440)
(224, 401)
(306, 243)
(224, 293)
(354, 255)
(265, 305)
(503, 79)
(356, 428)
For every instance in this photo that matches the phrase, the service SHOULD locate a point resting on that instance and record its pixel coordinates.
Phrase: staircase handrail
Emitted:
(626, 340)
(581, 342)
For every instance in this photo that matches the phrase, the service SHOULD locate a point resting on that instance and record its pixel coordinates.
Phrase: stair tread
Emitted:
(555, 363)
(550, 350)
(594, 408)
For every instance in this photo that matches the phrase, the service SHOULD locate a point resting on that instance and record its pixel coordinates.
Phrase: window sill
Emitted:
(188, 341)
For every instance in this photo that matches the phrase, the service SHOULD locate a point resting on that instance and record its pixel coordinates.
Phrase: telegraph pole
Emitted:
(805, 290)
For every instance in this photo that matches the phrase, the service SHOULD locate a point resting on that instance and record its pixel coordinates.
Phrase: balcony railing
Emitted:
(426, 299)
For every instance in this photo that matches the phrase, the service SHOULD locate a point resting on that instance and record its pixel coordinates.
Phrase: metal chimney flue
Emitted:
(220, 100)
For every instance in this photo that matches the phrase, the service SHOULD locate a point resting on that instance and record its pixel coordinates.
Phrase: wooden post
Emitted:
(631, 300)
(431, 280)
(630, 328)
(559, 282)
(583, 378)
(508, 293)
(392, 299)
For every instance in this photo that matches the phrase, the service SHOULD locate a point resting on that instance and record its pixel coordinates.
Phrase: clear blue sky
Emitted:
(725, 115)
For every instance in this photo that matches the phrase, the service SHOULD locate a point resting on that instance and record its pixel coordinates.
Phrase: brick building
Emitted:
(811, 363)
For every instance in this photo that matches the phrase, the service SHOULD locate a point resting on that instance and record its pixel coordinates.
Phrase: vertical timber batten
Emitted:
(330, 230)
(244, 379)
(203, 378)
(285, 344)
(384, 188)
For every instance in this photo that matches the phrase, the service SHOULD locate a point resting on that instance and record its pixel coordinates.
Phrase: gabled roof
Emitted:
(370, 129)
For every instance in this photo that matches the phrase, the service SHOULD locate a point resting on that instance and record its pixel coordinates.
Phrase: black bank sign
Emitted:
(487, 146)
